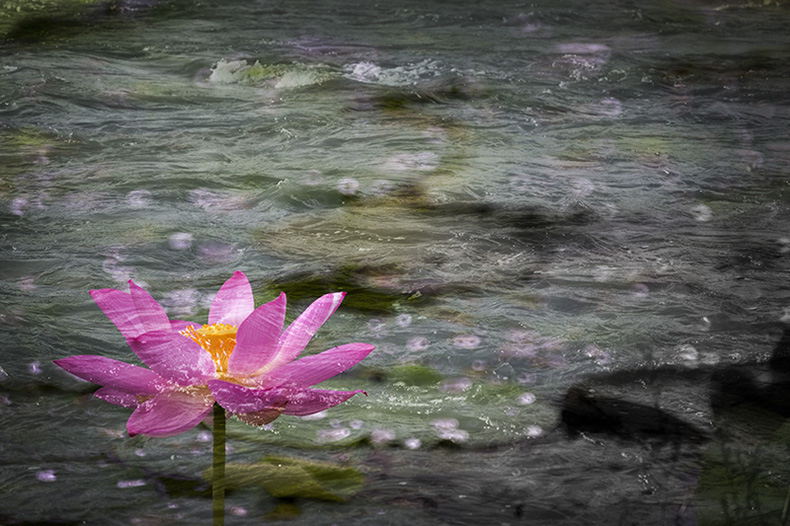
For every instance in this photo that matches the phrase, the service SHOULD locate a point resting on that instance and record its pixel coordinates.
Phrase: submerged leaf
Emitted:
(289, 478)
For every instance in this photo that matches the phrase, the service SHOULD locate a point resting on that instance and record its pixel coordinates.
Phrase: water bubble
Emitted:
(466, 341)
(356, 424)
(641, 290)
(598, 355)
(135, 483)
(335, 423)
(205, 436)
(138, 198)
(456, 435)
(180, 241)
(418, 343)
(527, 399)
(140, 452)
(456, 385)
(412, 443)
(582, 187)
(445, 423)
(18, 206)
(364, 72)
(348, 186)
(34, 367)
(701, 213)
(403, 320)
(237, 511)
(332, 435)
(688, 353)
(46, 475)
(533, 431)
(382, 436)
(217, 251)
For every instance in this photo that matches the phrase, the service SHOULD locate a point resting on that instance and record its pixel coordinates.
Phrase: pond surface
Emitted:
(522, 200)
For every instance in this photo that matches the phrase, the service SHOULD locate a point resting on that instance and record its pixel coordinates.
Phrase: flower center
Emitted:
(218, 340)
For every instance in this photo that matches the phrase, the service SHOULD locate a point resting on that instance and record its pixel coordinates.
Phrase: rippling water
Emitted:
(516, 197)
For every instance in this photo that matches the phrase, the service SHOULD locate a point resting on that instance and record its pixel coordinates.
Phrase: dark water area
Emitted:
(564, 225)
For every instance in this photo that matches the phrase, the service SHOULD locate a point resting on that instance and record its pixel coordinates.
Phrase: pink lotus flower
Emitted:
(242, 359)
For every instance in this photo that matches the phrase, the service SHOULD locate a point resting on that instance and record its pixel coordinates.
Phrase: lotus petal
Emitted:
(311, 370)
(169, 414)
(298, 334)
(257, 338)
(113, 373)
(116, 397)
(234, 301)
(309, 401)
(174, 357)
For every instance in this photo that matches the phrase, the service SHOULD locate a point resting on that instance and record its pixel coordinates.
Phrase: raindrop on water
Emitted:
(180, 241)
(527, 399)
(466, 341)
(348, 186)
(418, 343)
(46, 475)
(412, 443)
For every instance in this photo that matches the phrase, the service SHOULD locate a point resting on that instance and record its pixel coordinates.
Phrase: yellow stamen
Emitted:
(218, 340)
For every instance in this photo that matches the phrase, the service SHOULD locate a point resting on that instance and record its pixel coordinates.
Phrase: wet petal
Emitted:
(113, 373)
(233, 302)
(169, 414)
(119, 307)
(298, 334)
(308, 401)
(174, 357)
(311, 370)
(257, 338)
(152, 315)
(240, 399)
(115, 397)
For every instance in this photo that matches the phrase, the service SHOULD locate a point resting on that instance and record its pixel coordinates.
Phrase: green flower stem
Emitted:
(218, 473)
